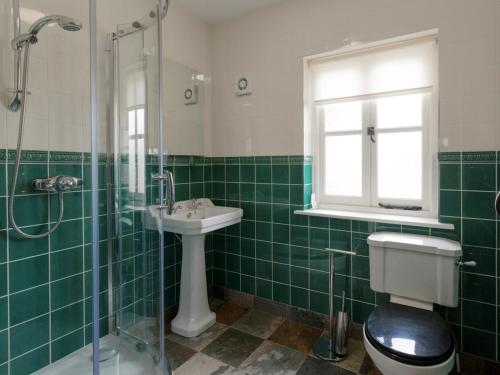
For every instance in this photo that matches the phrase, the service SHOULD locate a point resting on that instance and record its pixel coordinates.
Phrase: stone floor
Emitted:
(250, 341)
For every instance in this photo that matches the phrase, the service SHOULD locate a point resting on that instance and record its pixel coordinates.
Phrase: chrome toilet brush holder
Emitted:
(334, 347)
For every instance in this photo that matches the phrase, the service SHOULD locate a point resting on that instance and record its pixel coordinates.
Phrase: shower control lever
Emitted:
(57, 184)
(470, 263)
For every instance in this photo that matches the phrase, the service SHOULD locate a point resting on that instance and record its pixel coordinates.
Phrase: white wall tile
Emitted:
(271, 43)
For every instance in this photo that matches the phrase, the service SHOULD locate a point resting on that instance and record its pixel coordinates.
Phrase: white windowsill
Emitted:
(379, 218)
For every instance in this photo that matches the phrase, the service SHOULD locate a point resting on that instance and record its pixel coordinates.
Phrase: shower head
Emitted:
(66, 23)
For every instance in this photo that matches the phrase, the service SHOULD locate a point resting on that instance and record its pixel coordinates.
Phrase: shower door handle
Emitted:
(497, 204)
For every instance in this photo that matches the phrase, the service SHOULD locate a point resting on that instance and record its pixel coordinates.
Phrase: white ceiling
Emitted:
(215, 11)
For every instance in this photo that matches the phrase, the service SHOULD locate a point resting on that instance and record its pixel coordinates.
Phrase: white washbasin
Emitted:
(191, 221)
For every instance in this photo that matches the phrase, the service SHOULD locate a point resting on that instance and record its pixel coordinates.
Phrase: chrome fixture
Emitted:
(66, 23)
(169, 201)
(497, 204)
(196, 204)
(58, 184)
(469, 263)
(18, 103)
(334, 348)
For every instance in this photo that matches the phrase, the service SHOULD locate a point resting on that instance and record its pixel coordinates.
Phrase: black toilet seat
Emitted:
(410, 335)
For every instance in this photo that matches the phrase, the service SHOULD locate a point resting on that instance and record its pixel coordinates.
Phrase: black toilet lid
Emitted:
(409, 335)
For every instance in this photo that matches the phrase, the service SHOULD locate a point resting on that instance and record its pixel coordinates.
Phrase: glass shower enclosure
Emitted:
(87, 298)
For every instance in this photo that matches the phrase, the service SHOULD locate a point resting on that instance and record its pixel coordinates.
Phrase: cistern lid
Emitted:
(415, 242)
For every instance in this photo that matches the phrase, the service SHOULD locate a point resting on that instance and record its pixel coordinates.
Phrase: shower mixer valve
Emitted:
(57, 184)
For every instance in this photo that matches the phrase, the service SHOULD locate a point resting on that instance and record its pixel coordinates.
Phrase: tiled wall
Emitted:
(45, 284)
(278, 255)
(273, 253)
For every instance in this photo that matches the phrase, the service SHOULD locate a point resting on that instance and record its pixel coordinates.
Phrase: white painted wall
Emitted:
(271, 43)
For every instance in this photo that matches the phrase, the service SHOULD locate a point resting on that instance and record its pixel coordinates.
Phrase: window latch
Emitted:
(371, 132)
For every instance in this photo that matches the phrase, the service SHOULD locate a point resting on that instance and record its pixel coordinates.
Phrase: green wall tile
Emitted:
(67, 319)
(28, 273)
(319, 281)
(247, 284)
(319, 238)
(299, 297)
(319, 302)
(479, 232)
(450, 176)
(233, 280)
(450, 203)
(28, 304)
(3, 313)
(4, 346)
(478, 177)
(280, 174)
(263, 173)
(281, 293)
(479, 343)
(30, 362)
(248, 266)
(263, 212)
(478, 205)
(299, 256)
(30, 335)
(264, 270)
(299, 277)
(66, 291)
(67, 344)
(264, 288)
(281, 253)
(247, 173)
(479, 315)
(478, 288)
(281, 273)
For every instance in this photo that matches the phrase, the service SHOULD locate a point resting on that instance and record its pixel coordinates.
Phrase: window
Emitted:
(374, 115)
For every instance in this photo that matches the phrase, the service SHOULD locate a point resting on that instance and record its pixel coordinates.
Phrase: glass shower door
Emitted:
(138, 281)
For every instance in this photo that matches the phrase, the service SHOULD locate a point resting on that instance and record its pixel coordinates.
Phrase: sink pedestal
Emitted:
(194, 315)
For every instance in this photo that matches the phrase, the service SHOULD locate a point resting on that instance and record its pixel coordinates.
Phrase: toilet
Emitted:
(405, 336)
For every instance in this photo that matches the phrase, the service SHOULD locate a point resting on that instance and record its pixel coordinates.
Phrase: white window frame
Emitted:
(430, 170)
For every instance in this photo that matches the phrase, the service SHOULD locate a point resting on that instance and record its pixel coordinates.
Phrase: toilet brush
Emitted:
(334, 348)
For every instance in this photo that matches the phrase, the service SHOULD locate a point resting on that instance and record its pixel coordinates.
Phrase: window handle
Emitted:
(371, 132)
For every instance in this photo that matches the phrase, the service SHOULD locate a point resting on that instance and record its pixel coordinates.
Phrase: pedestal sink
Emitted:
(193, 220)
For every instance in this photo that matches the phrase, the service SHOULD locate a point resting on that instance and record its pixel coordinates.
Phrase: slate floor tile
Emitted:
(272, 359)
(202, 364)
(313, 366)
(356, 354)
(177, 354)
(259, 323)
(202, 340)
(368, 367)
(296, 336)
(229, 313)
(233, 347)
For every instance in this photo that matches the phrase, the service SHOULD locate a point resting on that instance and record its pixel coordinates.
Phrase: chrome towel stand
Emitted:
(334, 348)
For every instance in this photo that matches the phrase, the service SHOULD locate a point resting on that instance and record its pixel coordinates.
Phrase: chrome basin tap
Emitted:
(196, 204)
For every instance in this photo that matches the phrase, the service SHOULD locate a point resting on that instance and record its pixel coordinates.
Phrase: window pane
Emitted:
(343, 116)
(400, 165)
(140, 121)
(399, 111)
(131, 122)
(343, 165)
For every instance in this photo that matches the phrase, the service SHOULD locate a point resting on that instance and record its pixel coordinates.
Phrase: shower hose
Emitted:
(18, 159)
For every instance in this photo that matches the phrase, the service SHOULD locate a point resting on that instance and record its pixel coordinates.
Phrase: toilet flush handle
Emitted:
(470, 263)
